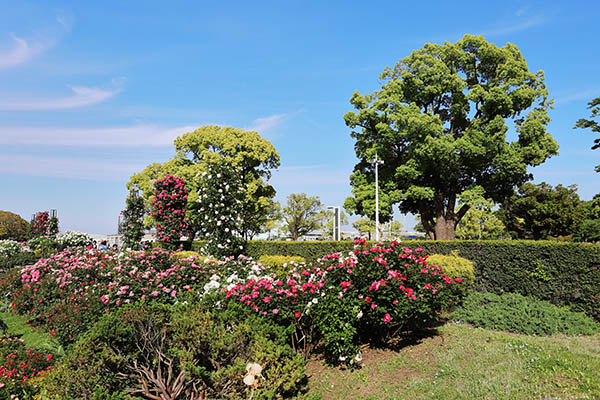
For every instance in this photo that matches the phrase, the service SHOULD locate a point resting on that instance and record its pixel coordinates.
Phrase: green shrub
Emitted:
(515, 313)
(280, 265)
(208, 349)
(456, 267)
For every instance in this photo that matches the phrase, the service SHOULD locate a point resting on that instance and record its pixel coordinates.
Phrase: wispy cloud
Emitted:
(127, 136)
(266, 125)
(81, 96)
(513, 27)
(587, 95)
(73, 168)
(20, 51)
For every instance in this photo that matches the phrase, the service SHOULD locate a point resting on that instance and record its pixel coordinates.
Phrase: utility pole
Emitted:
(377, 162)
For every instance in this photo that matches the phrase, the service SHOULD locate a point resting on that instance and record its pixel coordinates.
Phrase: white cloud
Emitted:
(586, 95)
(81, 96)
(127, 136)
(266, 125)
(77, 168)
(516, 27)
(20, 52)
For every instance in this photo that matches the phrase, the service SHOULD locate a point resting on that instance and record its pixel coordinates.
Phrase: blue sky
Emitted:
(91, 92)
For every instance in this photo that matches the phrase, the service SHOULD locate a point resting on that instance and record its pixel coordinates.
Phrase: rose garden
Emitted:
(205, 312)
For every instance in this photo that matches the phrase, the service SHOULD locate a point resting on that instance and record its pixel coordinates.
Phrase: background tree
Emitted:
(439, 124)
(247, 151)
(481, 222)
(594, 106)
(589, 229)
(13, 227)
(302, 214)
(133, 230)
(364, 225)
(542, 212)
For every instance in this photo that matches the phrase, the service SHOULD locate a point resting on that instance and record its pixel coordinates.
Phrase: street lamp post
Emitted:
(377, 162)
(336, 221)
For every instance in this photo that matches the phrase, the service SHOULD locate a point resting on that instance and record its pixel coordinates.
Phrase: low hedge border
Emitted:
(562, 273)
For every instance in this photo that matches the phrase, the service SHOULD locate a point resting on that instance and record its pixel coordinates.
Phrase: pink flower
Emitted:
(275, 311)
(296, 315)
(387, 318)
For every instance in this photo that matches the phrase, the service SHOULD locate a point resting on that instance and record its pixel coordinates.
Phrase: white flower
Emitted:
(359, 315)
(342, 359)
(358, 358)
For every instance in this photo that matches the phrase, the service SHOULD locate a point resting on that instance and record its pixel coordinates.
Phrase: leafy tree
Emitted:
(302, 214)
(247, 151)
(481, 222)
(364, 225)
(589, 231)
(439, 123)
(134, 220)
(594, 106)
(13, 227)
(542, 212)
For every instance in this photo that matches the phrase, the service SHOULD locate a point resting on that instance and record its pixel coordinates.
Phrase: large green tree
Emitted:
(542, 211)
(253, 156)
(302, 214)
(440, 124)
(12, 226)
(594, 106)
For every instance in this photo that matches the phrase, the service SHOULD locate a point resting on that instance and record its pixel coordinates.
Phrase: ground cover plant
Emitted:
(516, 313)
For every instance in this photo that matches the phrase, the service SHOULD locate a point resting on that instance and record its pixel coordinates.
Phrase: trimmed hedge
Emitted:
(562, 273)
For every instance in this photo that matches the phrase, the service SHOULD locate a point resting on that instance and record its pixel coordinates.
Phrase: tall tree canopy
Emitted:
(253, 156)
(439, 123)
(594, 106)
(542, 211)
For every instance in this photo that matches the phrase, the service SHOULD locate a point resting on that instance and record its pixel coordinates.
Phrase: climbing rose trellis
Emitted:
(168, 209)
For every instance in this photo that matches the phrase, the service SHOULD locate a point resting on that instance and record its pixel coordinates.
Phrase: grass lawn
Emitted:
(462, 362)
(17, 325)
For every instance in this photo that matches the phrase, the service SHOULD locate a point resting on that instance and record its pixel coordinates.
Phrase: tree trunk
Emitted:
(445, 229)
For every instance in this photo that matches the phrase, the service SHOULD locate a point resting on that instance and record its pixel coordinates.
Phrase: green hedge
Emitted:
(560, 272)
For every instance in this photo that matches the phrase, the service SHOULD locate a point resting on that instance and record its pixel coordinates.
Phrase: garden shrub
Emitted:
(516, 313)
(374, 294)
(43, 246)
(168, 210)
(208, 351)
(18, 366)
(13, 253)
(280, 265)
(457, 267)
(74, 239)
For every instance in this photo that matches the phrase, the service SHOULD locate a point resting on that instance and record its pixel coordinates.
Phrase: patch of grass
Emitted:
(17, 326)
(463, 362)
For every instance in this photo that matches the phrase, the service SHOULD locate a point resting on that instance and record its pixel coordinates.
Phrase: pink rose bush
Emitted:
(374, 293)
(69, 291)
(168, 209)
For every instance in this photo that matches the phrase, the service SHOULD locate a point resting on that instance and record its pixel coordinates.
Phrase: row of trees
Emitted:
(440, 123)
